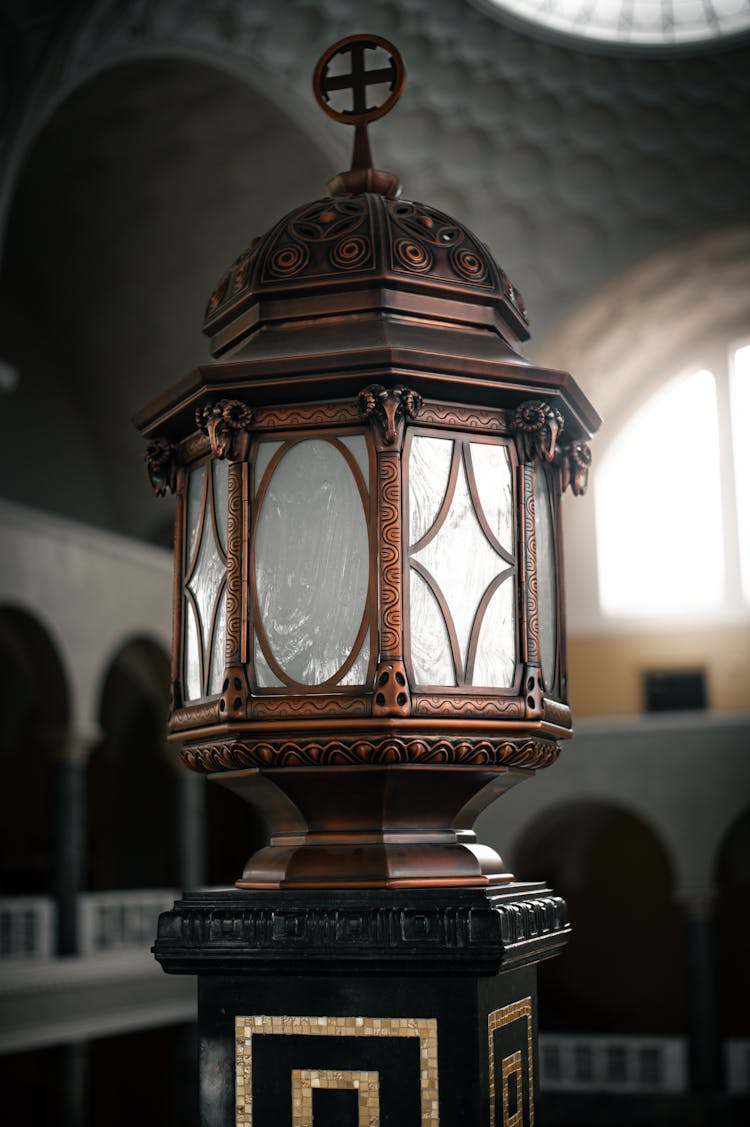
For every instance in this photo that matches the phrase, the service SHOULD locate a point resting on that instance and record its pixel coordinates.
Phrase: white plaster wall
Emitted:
(92, 591)
(687, 776)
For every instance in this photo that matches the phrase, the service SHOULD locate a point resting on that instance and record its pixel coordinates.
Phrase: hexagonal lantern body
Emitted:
(369, 627)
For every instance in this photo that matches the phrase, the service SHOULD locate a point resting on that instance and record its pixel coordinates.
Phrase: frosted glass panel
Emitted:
(221, 490)
(546, 576)
(311, 562)
(358, 672)
(495, 661)
(266, 451)
(357, 443)
(196, 482)
(462, 562)
(204, 582)
(265, 679)
(431, 659)
(492, 473)
(192, 671)
(429, 468)
(218, 650)
(207, 576)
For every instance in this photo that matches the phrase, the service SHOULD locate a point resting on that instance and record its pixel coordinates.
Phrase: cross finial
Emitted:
(359, 79)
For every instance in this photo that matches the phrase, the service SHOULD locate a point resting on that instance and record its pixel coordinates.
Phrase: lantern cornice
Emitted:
(445, 375)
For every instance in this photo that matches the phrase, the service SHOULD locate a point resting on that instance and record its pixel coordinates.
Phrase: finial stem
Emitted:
(361, 155)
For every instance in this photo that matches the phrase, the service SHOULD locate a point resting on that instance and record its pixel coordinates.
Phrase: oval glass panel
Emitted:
(311, 562)
(546, 572)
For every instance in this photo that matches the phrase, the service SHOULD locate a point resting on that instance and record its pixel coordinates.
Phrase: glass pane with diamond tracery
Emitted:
(205, 605)
(461, 563)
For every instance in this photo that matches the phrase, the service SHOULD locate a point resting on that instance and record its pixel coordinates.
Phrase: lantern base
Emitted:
(389, 826)
(345, 1006)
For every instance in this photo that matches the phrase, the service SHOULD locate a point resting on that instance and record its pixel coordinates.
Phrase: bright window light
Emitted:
(658, 506)
(740, 400)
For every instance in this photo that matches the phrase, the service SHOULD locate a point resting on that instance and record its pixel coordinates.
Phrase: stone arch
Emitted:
(35, 708)
(132, 791)
(617, 878)
(655, 319)
(156, 170)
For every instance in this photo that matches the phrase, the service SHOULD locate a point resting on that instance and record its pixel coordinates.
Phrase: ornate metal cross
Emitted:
(359, 78)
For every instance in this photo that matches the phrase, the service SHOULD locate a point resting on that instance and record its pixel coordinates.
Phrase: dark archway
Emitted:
(623, 970)
(132, 781)
(34, 717)
(733, 928)
(142, 188)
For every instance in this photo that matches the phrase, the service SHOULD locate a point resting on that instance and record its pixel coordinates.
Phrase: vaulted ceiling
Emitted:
(145, 144)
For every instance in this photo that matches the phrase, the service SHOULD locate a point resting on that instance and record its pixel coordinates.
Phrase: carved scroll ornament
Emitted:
(389, 408)
(161, 464)
(576, 462)
(226, 423)
(538, 425)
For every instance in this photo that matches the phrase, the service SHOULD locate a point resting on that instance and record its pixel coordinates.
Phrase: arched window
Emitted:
(672, 497)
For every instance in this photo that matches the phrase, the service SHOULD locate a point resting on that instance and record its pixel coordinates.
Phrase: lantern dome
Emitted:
(378, 253)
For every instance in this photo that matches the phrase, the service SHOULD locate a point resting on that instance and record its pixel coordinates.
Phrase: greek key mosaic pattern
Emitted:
(514, 1093)
(305, 1079)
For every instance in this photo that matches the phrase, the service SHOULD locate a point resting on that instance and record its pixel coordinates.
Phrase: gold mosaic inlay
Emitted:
(425, 1029)
(306, 1080)
(512, 1064)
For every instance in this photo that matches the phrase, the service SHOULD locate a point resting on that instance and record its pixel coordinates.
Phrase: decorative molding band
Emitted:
(389, 531)
(235, 533)
(342, 413)
(234, 754)
(195, 447)
(194, 716)
(508, 707)
(556, 713)
(531, 652)
(472, 418)
(475, 928)
(333, 704)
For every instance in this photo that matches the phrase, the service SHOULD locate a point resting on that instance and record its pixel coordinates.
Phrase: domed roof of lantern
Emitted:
(363, 239)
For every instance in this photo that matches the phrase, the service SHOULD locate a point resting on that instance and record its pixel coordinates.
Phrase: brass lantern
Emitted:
(369, 627)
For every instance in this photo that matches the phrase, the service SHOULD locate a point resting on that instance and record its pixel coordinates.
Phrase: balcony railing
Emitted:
(107, 921)
(27, 927)
(111, 921)
(737, 1066)
(590, 1063)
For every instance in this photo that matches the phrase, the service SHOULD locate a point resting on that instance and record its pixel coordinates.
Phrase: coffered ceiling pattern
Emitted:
(572, 166)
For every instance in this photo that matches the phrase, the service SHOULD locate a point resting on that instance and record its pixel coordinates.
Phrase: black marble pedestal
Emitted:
(365, 1008)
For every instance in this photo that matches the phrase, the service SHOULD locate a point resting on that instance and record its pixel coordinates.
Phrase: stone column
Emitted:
(191, 828)
(69, 833)
(702, 995)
